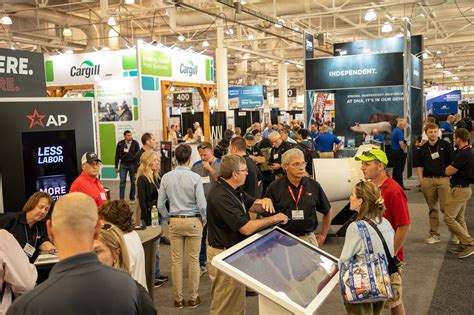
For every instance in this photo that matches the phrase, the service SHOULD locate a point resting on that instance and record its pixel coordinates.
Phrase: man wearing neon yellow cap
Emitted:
(374, 163)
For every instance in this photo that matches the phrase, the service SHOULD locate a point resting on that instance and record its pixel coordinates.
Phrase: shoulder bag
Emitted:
(365, 279)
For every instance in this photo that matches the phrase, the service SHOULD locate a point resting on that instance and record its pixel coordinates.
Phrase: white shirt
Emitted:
(137, 257)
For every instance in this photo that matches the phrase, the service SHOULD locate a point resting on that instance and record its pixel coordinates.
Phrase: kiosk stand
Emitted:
(290, 275)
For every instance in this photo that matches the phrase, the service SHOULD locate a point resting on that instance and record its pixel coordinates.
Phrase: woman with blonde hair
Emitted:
(148, 183)
(112, 251)
(367, 201)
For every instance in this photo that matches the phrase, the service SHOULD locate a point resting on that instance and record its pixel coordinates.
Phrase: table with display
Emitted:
(290, 275)
(149, 237)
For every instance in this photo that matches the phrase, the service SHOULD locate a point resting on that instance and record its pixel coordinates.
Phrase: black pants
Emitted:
(399, 159)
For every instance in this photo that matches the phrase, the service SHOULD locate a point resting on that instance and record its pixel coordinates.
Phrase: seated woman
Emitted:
(28, 226)
(118, 212)
(112, 252)
(367, 201)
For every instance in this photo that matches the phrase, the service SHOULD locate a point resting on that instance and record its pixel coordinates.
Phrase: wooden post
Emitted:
(165, 91)
(205, 92)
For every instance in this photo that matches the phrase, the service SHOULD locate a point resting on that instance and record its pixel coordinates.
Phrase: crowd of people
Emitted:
(242, 185)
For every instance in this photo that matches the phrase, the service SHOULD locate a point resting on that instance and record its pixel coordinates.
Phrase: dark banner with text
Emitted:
(354, 71)
(359, 111)
(21, 74)
(308, 45)
(377, 46)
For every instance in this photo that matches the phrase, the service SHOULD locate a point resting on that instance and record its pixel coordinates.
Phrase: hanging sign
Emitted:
(183, 99)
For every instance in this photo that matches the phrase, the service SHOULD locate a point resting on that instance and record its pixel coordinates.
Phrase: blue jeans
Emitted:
(124, 168)
(203, 253)
(157, 266)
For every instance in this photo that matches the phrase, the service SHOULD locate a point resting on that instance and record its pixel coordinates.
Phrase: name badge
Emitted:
(103, 196)
(275, 156)
(206, 180)
(297, 214)
(434, 156)
(125, 150)
(29, 250)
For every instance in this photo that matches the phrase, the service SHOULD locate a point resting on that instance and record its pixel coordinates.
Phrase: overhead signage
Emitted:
(21, 74)
(174, 65)
(308, 45)
(417, 72)
(354, 71)
(289, 93)
(78, 69)
(377, 46)
(245, 96)
(183, 99)
(441, 97)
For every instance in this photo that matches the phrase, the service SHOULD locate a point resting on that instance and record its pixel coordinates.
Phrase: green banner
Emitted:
(156, 63)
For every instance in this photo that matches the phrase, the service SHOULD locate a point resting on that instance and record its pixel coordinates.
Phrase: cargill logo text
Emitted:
(86, 69)
(189, 69)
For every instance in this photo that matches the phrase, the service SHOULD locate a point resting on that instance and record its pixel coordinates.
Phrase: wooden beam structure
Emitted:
(205, 91)
(60, 91)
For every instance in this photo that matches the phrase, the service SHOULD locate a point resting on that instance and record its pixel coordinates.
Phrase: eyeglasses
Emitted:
(107, 226)
(203, 146)
(298, 164)
(244, 170)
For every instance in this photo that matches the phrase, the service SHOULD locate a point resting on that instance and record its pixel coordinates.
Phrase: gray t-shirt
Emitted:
(207, 180)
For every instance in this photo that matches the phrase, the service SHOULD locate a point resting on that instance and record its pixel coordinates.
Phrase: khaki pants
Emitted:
(396, 280)
(185, 232)
(310, 238)
(454, 214)
(436, 192)
(326, 155)
(227, 294)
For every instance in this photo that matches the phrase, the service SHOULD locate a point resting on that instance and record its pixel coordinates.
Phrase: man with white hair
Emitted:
(198, 133)
(79, 283)
(299, 197)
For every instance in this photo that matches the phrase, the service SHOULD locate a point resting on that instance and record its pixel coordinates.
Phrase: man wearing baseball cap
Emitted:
(87, 182)
(374, 163)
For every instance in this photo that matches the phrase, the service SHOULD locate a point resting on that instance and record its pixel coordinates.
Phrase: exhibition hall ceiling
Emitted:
(259, 34)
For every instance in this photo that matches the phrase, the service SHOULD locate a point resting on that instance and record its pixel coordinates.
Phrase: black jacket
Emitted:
(147, 197)
(126, 158)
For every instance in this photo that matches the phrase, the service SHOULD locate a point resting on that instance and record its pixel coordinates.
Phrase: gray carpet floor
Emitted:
(455, 286)
(434, 282)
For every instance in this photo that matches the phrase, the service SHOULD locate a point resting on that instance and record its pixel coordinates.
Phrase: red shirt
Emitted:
(396, 206)
(90, 186)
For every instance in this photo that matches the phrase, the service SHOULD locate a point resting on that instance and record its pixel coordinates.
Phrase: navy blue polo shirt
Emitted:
(397, 136)
(325, 142)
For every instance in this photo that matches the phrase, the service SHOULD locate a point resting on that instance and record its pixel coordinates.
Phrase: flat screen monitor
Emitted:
(49, 161)
(285, 269)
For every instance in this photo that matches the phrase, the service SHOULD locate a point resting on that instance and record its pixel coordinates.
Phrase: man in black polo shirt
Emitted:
(431, 160)
(299, 197)
(278, 148)
(253, 151)
(237, 146)
(228, 224)
(460, 170)
(79, 283)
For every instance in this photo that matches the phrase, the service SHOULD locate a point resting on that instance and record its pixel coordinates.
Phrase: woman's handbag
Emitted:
(365, 279)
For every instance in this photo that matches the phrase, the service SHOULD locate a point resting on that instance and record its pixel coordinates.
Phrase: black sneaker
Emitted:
(160, 281)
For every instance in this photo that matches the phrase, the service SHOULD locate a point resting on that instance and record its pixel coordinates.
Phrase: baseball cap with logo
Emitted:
(90, 157)
(373, 155)
(249, 136)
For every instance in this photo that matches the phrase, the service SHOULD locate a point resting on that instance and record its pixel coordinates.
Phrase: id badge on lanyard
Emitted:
(296, 214)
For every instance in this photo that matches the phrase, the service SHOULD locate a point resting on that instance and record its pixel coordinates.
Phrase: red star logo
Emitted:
(36, 119)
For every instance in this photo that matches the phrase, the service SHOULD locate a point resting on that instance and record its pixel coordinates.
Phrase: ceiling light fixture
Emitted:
(279, 24)
(455, 78)
(438, 65)
(6, 20)
(438, 52)
(205, 43)
(111, 21)
(387, 27)
(370, 15)
(425, 55)
(181, 38)
(243, 2)
(12, 47)
(69, 52)
(129, 1)
(229, 31)
(67, 31)
(250, 36)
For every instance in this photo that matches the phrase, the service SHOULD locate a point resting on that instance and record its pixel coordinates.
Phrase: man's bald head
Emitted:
(75, 213)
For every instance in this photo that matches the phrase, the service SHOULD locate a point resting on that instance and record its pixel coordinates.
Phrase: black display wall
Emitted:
(43, 142)
(243, 122)
(188, 119)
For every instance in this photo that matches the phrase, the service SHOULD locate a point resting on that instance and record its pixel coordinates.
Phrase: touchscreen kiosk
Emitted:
(290, 275)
